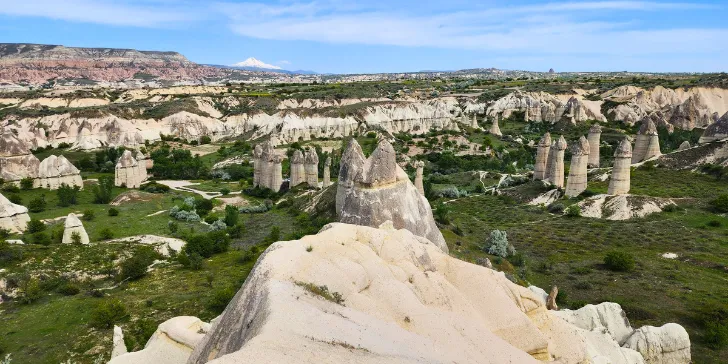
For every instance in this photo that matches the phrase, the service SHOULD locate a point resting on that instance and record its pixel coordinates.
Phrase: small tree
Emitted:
(88, 215)
(106, 234)
(37, 204)
(231, 215)
(26, 183)
(67, 195)
(76, 237)
(113, 212)
(35, 226)
(619, 261)
(720, 204)
(498, 244)
(102, 191)
(108, 313)
(573, 211)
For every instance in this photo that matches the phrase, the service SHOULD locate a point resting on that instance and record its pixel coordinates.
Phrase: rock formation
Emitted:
(494, 128)
(374, 190)
(544, 107)
(542, 156)
(619, 182)
(172, 343)
(576, 184)
(16, 160)
(57, 170)
(684, 145)
(716, 131)
(119, 346)
(390, 297)
(74, 226)
(311, 161)
(622, 207)
(556, 164)
(144, 163)
(474, 123)
(128, 171)
(647, 144)
(551, 299)
(268, 171)
(298, 170)
(594, 139)
(13, 217)
(419, 166)
(327, 172)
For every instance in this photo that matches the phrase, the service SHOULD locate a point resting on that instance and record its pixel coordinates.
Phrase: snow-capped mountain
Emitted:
(254, 63)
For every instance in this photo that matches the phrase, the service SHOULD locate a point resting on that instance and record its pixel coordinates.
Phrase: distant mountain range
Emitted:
(253, 64)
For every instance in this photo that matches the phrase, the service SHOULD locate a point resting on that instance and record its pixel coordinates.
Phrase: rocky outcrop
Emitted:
(716, 131)
(172, 343)
(606, 317)
(73, 226)
(367, 295)
(667, 344)
(327, 172)
(555, 174)
(622, 207)
(647, 143)
(268, 171)
(683, 146)
(375, 189)
(311, 161)
(55, 171)
(576, 184)
(594, 139)
(619, 182)
(298, 170)
(13, 217)
(16, 160)
(544, 107)
(119, 347)
(128, 171)
(419, 170)
(494, 128)
(542, 157)
(143, 163)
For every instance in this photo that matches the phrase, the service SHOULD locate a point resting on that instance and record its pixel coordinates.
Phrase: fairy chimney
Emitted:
(327, 172)
(495, 129)
(311, 161)
(542, 156)
(580, 152)
(556, 165)
(298, 171)
(594, 139)
(419, 165)
(619, 183)
(647, 143)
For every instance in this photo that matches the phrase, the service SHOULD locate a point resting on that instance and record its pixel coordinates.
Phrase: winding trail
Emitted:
(184, 185)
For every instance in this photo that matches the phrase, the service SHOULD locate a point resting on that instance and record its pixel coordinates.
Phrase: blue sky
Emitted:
(342, 36)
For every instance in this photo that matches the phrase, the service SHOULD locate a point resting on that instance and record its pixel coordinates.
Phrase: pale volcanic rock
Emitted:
(647, 143)
(13, 217)
(128, 171)
(403, 301)
(556, 164)
(172, 343)
(257, 164)
(419, 170)
(716, 131)
(576, 184)
(669, 344)
(16, 160)
(606, 316)
(298, 169)
(622, 207)
(374, 190)
(542, 157)
(620, 180)
(143, 163)
(494, 128)
(311, 161)
(327, 172)
(268, 171)
(71, 226)
(119, 347)
(544, 107)
(57, 170)
(594, 139)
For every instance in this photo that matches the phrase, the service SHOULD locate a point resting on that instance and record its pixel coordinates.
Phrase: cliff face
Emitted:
(11, 53)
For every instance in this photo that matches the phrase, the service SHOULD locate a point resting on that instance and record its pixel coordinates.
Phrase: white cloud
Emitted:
(284, 62)
(149, 13)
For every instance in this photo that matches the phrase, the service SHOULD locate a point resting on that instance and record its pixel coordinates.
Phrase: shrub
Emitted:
(573, 211)
(714, 320)
(108, 313)
(218, 225)
(106, 234)
(619, 261)
(442, 214)
(113, 212)
(11, 188)
(154, 187)
(26, 183)
(220, 299)
(498, 244)
(518, 259)
(183, 215)
(210, 219)
(274, 235)
(205, 139)
(720, 204)
(31, 291)
(670, 208)
(41, 239)
(15, 198)
(68, 289)
(34, 226)
(9, 253)
(4, 233)
(201, 206)
(37, 204)
(88, 215)
(556, 208)
(208, 244)
(256, 209)
(136, 266)
(714, 223)
(225, 191)
(76, 237)
(172, 226)
(231, 215)
(103, 190)
(67, 195)
(235, 231)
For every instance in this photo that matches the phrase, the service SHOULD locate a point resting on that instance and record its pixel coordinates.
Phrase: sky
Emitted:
(344, 36)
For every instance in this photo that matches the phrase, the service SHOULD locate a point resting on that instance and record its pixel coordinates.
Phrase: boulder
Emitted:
(607, 317)
(172, 343)
(684, 145)
(119, 347)
(355, 294)
(71, 226)
(57, 170)
(13, 217)
(374, 190)
(669, 344)
(128, 171)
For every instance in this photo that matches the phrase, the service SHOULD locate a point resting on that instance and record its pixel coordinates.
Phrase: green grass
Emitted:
(663, 182)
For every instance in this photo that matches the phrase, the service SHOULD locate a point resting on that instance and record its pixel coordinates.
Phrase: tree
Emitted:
(76, 237)
(35, 226)
(102, 191)
(106, 314)
(720, 204)
(231, 215)
(37, 204)
(26, 183)
(67, 195)
(498, 244)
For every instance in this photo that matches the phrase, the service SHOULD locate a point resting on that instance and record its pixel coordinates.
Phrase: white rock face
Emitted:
(619, 183)
(71, 226)
(267, 169)
(576, 184)
(669, 344)
(375, 190)
(542, 156)
(647, 143)
(605, 316)
(419, 170)
(13, 217)
(555, 171)
(544, 107)
(594, 139)
(622, 207)
(119, 347)
(298, 169)
(402, 301)
(311, 161)
(494, 128)
(172, 343)
(716, 131)
(327, 172)
(57, 170)
(128, 171)
(16, 160)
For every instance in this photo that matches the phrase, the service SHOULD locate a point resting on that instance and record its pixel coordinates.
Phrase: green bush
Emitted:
(31, 291)
(714, 320)
(75, 237)
(106, 234)
(88, 215)
(37, 204)
(136, 266)
(206, 245)
(67, 195)
(15, 198)
(556, 208)
(9, 253)
(41, 239)
(619, 261)
(35, 226)
(498, 245)
(720, 204)
(113, 212)
(108, 313)
(220, 299)
(573, 211)
(68, 289)
(26, 183)
(225, 191)
(103, 190)
(231, 215)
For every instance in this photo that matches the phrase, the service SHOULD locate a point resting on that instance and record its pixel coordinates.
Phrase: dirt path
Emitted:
(186, 187)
